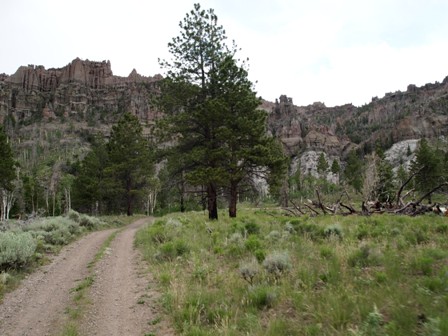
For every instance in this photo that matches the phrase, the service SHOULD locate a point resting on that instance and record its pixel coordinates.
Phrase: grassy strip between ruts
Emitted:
(80, 297)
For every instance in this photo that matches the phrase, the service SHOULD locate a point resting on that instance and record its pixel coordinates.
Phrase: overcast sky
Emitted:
(332, 51)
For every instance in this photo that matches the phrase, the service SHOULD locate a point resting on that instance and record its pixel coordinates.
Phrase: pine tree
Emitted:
(188, 99)
(385, 189)
(89, 189)
(211, 112)
(248, 149)
(429, 168)
(130, 166)
(335, 168)
(353, 171)
(322, 164)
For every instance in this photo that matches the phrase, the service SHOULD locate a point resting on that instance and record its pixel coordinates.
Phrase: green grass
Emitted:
(328, 275)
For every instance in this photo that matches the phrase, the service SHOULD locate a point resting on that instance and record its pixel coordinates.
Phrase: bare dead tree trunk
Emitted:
(403, 185)
(321, 206)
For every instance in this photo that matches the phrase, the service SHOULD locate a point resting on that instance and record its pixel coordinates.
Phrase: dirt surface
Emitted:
(123, 298)
(37, 306)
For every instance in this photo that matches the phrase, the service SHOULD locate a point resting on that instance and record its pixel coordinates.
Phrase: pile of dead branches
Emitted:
(344, 208)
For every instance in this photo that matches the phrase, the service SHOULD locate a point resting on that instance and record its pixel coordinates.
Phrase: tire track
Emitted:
(37, 306)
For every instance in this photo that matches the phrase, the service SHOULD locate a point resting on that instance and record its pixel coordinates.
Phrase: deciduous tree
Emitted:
(7, 174)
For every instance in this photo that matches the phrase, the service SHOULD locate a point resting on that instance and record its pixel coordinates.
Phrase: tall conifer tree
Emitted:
(129, 167)
(208, 102)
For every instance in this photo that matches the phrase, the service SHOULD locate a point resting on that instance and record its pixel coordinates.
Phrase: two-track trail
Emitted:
(122, 299)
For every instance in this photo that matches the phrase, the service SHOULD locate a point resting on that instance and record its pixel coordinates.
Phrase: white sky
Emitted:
(332, 51)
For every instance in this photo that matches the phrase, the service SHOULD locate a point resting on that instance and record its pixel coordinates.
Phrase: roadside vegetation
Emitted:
(265, 273)
(27, 245)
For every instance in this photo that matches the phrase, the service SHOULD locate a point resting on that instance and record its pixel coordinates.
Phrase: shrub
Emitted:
(55, 230)
(170, 250)
(277, 263)
(74, 216)
(236, 239)
(166, 252)
(253, 243)
(260, 255)
(252, 228)
(373, 325)
(274, 236)
(333, 231)
(249, 270)
(4, 278)
(262, 297)
(365, 256)
(16, 249)
(157, 234)
(289, 228)
(181, 247)
(89, 222)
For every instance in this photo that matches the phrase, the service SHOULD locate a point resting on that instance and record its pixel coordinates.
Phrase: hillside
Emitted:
(49, 111)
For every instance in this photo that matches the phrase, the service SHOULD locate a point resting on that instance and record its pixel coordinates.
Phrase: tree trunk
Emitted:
(128, 198)
(212, 202)
(54, 202)
(182, 193)
(233, 199)
(182, 202)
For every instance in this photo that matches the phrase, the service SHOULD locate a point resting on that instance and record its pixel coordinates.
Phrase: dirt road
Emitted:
(122, 296)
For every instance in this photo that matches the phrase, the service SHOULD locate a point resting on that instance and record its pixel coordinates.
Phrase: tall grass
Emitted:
(267, 274)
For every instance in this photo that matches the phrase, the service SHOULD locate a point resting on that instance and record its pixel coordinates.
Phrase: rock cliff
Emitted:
(84, 90)
(309, 130)
(39, 106)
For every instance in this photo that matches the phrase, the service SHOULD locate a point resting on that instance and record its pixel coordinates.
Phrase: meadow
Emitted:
(265, 273)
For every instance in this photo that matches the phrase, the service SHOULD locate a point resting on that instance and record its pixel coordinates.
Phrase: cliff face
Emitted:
(416, 113)
(61, 107)
(83, 90)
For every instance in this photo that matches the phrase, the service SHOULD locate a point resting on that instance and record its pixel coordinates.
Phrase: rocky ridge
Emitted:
(64, 106)
(83, 89)
(400, 117)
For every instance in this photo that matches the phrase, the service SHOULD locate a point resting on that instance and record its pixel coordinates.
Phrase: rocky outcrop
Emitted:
(416, 113)
(299, 132)
(402, 153)
(84, 90)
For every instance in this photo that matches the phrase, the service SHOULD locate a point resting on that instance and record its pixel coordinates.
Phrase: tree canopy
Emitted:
(115, 175)
(211, 112)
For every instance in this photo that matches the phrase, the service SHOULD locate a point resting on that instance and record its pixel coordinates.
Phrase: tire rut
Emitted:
(37, 306)
(122, 301)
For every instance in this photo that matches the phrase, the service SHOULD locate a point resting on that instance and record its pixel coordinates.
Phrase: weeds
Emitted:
(268, 274)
